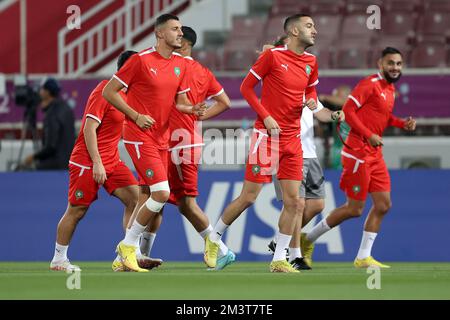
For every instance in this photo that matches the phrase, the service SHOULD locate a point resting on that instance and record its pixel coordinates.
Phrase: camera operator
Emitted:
(58, 131)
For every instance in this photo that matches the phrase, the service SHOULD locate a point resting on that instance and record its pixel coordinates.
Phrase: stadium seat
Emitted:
(437, 5)
(247, 25)
(360, 6)
(324, 56)
(407, 6)
(355, 25)
(239, 59)
(435, 23)
(209, 58)
(399, 23)
(399, 42)
(327, 26)
(287, 7)
(315, 7)
(274, 27)
(429, 55)
(353, 58)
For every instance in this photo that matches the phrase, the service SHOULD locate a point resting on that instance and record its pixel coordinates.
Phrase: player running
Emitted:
(186, 145)
(155, 78)
(95, 162)
(368, 112)
(289, 77)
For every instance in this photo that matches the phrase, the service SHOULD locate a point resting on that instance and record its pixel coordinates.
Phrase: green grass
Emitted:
(242, 280)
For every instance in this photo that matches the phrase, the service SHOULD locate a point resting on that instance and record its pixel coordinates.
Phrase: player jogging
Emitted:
(154, 78)
(368, 112)
(95, 162)
(289, 77)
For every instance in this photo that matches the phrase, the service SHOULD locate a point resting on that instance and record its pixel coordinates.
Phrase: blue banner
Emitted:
(415, 229)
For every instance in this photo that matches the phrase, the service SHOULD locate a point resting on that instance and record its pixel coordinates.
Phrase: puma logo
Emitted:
(153, 70)
(383, 95)
(285, 66)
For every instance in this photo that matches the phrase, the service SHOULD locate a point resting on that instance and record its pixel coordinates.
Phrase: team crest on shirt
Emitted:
(177, 71)
(356, 189)
(149, 173)
(79, 194)
(308, 69)
(256, 169)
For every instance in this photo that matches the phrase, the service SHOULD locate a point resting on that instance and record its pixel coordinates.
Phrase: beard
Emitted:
(389, 79)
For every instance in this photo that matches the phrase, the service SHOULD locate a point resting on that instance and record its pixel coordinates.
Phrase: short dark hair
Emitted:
(124, 57)
(390, 50)
(189, 34)
(52, 86)
(293, 18)
(280, 41)
(164, 18)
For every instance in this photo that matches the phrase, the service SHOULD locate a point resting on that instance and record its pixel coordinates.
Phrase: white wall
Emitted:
(201, 16)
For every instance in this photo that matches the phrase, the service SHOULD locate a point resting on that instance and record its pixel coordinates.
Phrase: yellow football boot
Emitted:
(282, 266)
(128, 256)
(368, 262)
(307, 249)
(211, 249)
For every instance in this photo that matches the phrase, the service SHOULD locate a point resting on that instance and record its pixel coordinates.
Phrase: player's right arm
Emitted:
(257, 72)
(112, 95)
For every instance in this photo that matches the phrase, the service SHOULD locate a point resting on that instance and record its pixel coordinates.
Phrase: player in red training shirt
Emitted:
(289, 76)
(368, 112)
(95, 162)
(155, 79)
(186, 145)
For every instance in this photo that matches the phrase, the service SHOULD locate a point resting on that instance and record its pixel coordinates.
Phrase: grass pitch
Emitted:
(242, 280)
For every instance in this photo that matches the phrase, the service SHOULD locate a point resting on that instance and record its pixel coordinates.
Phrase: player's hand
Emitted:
(410, 124)
(99, 173)
(144, 121)
(338, 116)
(199, 109)
(311, 104)
(272, 126)
(375, 140)
(28, 160)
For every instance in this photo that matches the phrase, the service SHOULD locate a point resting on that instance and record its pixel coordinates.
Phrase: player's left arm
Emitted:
(310, 91)
(90, 138)
(221, 104)
(409, 124)
(326, 115)
(184, 105)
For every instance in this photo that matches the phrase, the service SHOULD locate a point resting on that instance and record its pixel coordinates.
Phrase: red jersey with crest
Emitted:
(203, 85)
(152, 83)
(109, 131)
(286, 76)
(372, 103)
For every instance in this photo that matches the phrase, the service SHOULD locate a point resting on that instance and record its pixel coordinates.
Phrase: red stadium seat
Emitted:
(356, 25)
(324, 56)
(208, 58)
(315, 7)
(407, 6)
(399, 23)
(360, 6)
(274, 27)
(287, 7)
(327, 26)
(352, 58)
(239, 59)
(435, 23)
(437, 5)
(399, 42)
(247, 26)
(429, 55)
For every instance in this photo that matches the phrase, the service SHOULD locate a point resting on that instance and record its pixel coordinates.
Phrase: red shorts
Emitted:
(360, 177)
(183, 173)
(268, 156)
(83, 189)
(149, 161)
